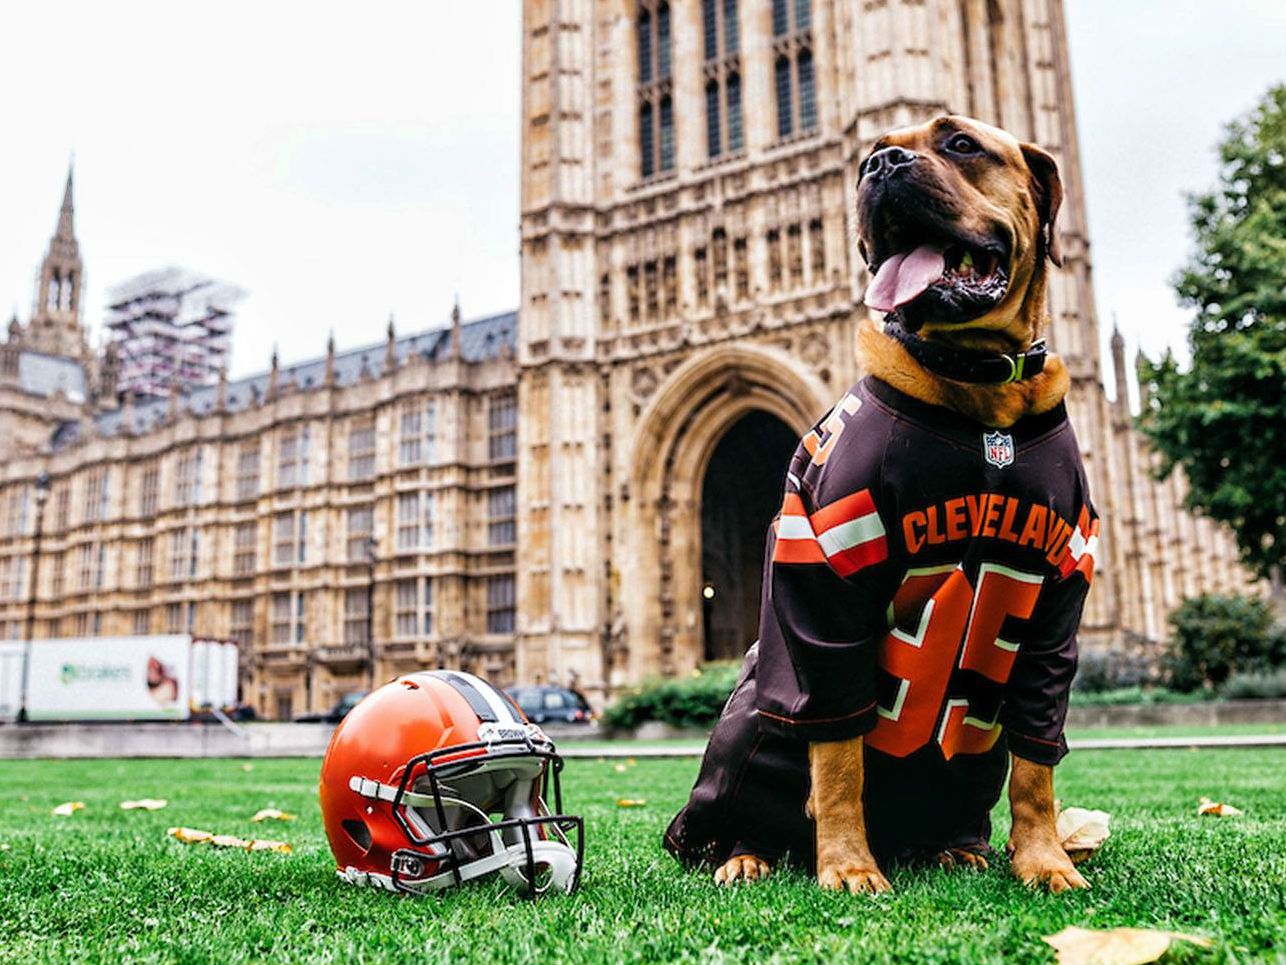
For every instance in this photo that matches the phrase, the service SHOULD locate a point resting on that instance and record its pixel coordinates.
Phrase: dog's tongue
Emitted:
(903, 277)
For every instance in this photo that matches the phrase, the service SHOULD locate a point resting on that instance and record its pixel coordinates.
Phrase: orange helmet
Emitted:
(436, 779)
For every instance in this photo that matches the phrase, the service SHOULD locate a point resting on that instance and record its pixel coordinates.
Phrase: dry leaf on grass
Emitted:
(281, 847)
(1118, 946)
(630, 802)
(144, 804)
(1082, 831)
(1217, 809)
(228, 841)
(620, 768)
(189, 835)
(271, 814)
(68, 809)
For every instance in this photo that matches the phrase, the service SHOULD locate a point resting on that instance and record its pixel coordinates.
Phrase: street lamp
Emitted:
(42, 496)
(371, 546)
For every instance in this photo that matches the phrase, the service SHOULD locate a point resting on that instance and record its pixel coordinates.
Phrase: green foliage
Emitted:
(1113, 670)
(1262, 685)
(1214, 636)
(1131, 696)
(692, 701)
(1224, 420)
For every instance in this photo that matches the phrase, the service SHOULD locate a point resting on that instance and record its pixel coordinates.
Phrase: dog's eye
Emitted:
(963, 144)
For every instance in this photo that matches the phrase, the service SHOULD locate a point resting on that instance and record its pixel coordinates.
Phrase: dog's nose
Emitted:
(888, 161)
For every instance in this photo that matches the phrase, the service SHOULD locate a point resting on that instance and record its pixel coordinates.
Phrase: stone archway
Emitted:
(656, 546)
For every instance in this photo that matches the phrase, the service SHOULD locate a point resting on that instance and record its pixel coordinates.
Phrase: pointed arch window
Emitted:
(655, 88)
(794, 75)
(722, 71)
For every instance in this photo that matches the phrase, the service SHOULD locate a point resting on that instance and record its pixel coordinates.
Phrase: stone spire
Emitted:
(1122, 403)
(55, 318)
(274, 376)
(455, 329)
(330, 358)
(390, 347)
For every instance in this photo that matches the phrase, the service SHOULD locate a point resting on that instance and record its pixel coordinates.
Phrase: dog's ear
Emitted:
(1047, 186)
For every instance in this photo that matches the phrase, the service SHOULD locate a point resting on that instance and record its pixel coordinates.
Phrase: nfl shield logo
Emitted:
(998, 448)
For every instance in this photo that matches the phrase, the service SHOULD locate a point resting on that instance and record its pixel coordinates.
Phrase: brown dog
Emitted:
(956, 220)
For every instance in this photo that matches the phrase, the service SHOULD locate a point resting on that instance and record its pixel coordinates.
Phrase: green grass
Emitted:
(108, 886)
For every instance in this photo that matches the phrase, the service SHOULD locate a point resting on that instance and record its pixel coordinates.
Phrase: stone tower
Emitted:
(55, 328)
(690, 294)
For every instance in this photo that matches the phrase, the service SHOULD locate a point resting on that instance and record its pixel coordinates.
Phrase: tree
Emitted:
(1223, 420)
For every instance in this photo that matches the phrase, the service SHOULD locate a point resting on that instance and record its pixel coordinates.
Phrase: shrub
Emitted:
(1215, 636)
(1110, 670)
(692, 701)
(1136, 695)
(1256, 686)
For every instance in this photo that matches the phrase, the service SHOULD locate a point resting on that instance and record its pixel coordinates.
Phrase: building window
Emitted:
(148, 492)
(500, 604)
(248, 470)
(632, 292)
(187, 482)
(174, 618)
(241, 622)
(184, 550)
(90, 576)
(741, 267)
(62, 508)
(502, 423)
(290, 537)
(80, 626)
(722, 69)
(17, 513)
(413, 609)
(292, 458)
(58, 563)
(501, 517)
(796, 91)
(361, 450)
(414, 521)
(816, 252)
(142, 622)
(774, 259)
(701, 257)
(357, 616)
(719, 243)
(361, 524)
(245, 548)
(655, 88)
(417, 434)
(13, 578)
(145, 572)
(95, 506)
(669, 287)
(286, 624)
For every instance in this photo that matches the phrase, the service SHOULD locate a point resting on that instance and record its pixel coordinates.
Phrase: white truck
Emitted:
(117, 678)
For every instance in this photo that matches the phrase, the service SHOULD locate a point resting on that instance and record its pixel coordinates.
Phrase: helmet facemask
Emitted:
(477, 809)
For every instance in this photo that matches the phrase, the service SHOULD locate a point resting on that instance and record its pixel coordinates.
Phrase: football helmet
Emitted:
(437, 778)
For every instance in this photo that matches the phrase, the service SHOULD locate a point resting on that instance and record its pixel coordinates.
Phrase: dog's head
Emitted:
(955, 220)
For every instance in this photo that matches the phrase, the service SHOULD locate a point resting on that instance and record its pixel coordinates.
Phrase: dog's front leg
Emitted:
(844, 859)
(1038, 857)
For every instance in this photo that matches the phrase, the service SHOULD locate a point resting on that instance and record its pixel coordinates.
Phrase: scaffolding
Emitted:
(171, 329)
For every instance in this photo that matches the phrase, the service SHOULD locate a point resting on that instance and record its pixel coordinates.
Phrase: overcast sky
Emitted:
(342, 167)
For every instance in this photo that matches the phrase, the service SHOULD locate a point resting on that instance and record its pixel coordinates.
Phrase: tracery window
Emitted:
(655, 88)
(793, 72)
(722, 70)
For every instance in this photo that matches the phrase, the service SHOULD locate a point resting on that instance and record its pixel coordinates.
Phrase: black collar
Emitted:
(967, 365)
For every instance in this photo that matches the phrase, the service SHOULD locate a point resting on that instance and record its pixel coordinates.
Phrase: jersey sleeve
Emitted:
(826, 586)
(1035, 705)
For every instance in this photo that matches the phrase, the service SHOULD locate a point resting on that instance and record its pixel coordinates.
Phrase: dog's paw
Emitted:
(1046, 867)
(744, 867)
(856, 879)
(956, 858)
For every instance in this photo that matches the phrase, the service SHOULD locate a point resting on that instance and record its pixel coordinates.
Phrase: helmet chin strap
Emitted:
(511, 862)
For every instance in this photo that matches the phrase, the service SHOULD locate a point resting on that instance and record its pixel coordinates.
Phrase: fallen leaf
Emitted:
(281, 847)
(68, 809)
(5, 847)
(1217, 809)
(1117, 946)
(247, 768)
(271, 814)
(228, 841)
(1082, 831)
(620, 768)
(630, 802)
(145, 804)
(190, 835)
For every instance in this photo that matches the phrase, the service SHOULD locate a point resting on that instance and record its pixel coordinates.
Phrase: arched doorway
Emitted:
(740, 494)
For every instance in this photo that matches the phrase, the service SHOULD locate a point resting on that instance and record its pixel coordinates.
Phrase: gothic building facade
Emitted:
(577, 492)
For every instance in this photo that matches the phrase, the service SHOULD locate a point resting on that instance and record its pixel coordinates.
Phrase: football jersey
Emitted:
(923, 584)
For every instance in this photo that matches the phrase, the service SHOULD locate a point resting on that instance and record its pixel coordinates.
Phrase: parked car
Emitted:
(336, 713)
(545, 704)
